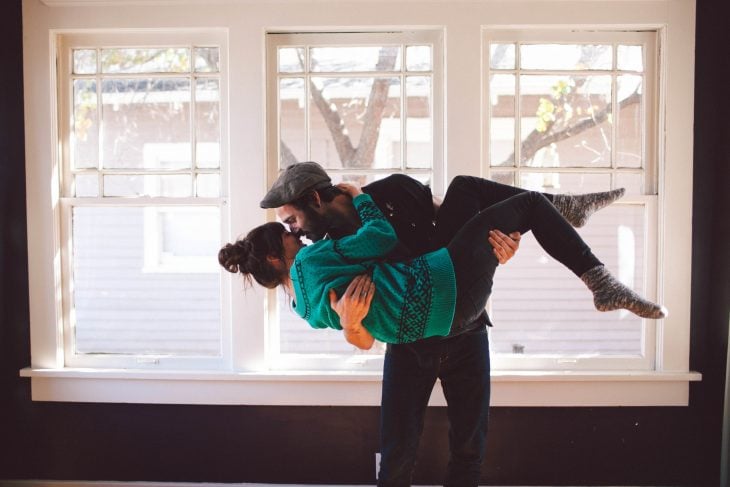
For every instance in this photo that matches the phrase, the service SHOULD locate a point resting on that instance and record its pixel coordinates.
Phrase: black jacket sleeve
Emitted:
(408, 205)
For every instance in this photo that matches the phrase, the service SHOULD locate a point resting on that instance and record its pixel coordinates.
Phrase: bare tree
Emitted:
(362, 155)
(561, 123)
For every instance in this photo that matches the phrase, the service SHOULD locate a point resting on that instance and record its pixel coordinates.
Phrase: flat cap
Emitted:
(295, 181)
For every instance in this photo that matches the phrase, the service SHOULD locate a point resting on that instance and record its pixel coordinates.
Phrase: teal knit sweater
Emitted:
(413, 300)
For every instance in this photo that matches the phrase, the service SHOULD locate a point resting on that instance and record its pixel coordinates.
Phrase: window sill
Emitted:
(301, 388)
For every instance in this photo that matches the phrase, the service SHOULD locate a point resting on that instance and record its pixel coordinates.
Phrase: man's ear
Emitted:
(315, 200)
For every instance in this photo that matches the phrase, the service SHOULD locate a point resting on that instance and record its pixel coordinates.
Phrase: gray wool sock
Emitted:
(579, 207)
(610, 294)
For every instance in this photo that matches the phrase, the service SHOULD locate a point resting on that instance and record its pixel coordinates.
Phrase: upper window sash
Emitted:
(648, 40)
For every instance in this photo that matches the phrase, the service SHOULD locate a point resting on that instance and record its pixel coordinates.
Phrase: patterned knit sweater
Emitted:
(413, 300)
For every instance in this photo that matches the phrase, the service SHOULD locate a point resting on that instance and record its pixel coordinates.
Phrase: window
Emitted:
(141, 200)
(364, 106)
(574, 112)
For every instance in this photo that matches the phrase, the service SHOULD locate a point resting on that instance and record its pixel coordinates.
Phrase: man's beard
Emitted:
(319, 226)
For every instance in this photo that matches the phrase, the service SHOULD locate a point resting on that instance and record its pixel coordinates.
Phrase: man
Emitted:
(307, 202)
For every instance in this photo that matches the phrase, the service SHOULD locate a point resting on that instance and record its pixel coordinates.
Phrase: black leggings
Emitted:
(471, 253)
(465, 197)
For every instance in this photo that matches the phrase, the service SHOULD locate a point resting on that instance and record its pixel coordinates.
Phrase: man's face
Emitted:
(306, 222)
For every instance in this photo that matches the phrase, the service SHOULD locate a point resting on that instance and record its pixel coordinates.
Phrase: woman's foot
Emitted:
(610, 294)
(579, 207)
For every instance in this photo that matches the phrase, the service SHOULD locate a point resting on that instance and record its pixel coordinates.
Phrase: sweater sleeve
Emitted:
(375, 238)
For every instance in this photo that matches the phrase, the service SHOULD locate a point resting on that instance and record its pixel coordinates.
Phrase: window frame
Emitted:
(249, 380)
(63, 45)
(355, 361)
(650, 40)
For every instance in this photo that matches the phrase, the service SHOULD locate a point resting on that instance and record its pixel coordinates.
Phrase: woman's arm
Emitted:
(352, 308)
(375, 238)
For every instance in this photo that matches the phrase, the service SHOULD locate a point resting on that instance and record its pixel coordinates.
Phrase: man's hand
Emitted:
(505, 246)
(350, 189)
(352, 308)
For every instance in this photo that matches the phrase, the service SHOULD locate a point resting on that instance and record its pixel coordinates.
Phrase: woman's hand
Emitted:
(352, 308)
(349, 188)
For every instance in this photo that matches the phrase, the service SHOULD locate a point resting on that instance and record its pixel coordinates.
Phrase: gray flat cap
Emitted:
(295, 181)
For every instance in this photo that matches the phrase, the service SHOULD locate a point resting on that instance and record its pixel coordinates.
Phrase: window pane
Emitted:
(85, 134)
(565, 121)
(146, 123)
(418, 58)
(419, 122)
(502, 120)
(566, 56)
(629, 130)
(163, 60)
(504, 177)
(208, 185)
(565, 182)
(174, 185)
(363, 179)
(207, 122)
(634, 183)
(292, 131)
(630, 58)
(84, 61)
(502, 56)
(131, 296)
(342, 119)
(86, 185)
(344, 59)
(559, 317)
(207, 59)
(291, 59)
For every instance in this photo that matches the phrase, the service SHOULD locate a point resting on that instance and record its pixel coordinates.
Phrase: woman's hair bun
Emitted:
(233, 257)
(250, 255)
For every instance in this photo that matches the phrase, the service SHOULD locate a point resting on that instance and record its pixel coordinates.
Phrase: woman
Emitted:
(429, 295)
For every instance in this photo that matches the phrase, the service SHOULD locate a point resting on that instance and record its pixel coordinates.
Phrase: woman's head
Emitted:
(259, 255)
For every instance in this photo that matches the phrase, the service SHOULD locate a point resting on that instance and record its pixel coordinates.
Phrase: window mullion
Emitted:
(193, 123)
(517, 177)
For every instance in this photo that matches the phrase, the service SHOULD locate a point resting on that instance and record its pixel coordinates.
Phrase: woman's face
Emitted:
(291, 244)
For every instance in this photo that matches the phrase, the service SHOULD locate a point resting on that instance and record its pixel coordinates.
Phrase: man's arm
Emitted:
(352, 308)
(505, 246)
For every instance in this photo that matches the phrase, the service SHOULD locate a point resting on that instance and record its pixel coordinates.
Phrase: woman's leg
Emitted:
(467, 195)
(474, 263)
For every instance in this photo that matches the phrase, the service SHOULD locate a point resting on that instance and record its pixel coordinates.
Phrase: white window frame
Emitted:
(356, 361)
(65, 43)
(648, 200)
(249, 379)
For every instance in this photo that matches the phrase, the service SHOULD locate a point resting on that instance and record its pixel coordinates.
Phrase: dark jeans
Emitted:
(474, 260)
(409, 374)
